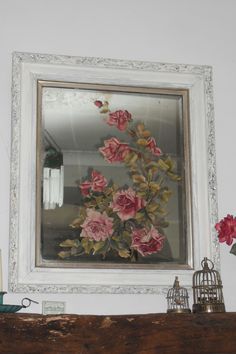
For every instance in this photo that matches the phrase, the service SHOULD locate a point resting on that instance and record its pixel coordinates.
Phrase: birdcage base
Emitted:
(208, 308)
(178, 311)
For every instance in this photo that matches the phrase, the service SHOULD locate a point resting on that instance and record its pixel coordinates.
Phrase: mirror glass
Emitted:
(113, 176)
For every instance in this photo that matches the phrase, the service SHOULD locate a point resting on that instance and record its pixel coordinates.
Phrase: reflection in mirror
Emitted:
(113, 176)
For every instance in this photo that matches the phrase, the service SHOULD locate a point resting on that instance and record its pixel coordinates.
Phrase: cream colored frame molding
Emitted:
(27, 69)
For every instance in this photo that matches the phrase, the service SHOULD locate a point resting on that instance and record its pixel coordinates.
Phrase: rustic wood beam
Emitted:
(131, 334)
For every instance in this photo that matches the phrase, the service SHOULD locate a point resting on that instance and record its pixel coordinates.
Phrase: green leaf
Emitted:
(152, 217)
(124, 253)
(128, 157)
(126, 235)
(170, 163)
(109, 191)
(123, 245)
(141, 194)
(90, 204)
(162, 211)
(77, 222)
(138, 179)
(70, 243)
(150, 175)
(143, 186)
(98, 245)
(142, 142)
(133, 159)
(165, 196)
(114, 243)
(158, 210)
(233, 249)
(139, 217)
(87, 245)
(163, 166)
(133, 168)
(99, 199)
(154, 169)
(173, 176)
(75, 251)
(152, 164)
(105, 248)
(155, 187)
(64, 254)
(115, 187)
(152, 207)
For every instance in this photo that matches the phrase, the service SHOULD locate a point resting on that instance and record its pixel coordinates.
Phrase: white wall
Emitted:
(183, 31)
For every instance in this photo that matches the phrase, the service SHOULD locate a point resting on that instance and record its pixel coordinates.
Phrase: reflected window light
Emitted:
(53, 187)
(53, 174)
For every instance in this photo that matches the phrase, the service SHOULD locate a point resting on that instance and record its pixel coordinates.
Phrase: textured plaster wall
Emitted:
(183, 31)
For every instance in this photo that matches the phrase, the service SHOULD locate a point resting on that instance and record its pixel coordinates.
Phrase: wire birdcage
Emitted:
(177, 299)
(207, 289)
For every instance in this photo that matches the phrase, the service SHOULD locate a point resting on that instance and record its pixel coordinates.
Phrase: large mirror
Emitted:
(113, 174)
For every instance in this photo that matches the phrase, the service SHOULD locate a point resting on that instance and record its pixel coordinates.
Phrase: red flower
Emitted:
(152, 146)
(226, 229)
(126, 203)
(97, 226)
(120, 119)
(146, 241)
(114, 150)
(97, 184)
(85, 187)
(98, 104)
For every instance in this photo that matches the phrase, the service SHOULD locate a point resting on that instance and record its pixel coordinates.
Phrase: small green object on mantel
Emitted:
(13, 308)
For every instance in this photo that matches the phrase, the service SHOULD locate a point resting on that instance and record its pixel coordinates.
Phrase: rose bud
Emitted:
(98, 104)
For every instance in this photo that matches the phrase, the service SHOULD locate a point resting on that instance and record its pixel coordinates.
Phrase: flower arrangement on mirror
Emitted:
(226, 229)
(127, 221)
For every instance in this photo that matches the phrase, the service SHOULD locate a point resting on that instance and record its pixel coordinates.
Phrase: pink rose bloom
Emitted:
(226, 229)
(85, 187)
(114, 150)
(126, 203)
(120, 119)
(152, 146)
(146, 241)
(98, 103)
(97, 226)
(98, 182)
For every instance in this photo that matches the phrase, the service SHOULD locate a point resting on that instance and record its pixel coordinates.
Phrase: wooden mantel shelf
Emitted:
(130, 334)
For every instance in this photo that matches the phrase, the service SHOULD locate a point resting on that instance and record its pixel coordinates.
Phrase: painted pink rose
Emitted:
(114, 150)
(85, 188)
(226, 229)
(146, 241)
(152, 146)
(120, 119)
(97, 184)
(97, 226)
(98, 103)
(126, 203)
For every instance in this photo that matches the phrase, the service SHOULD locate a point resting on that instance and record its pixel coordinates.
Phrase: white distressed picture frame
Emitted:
(24, 276)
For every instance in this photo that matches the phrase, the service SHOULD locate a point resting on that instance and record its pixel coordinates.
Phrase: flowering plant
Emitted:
(124, 220)
(226, 229)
